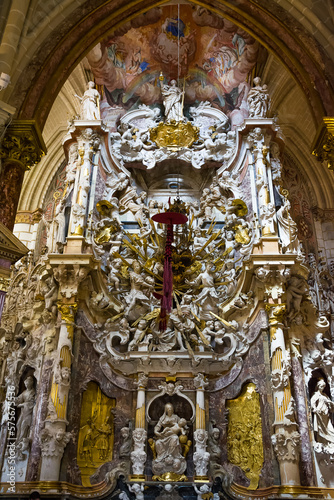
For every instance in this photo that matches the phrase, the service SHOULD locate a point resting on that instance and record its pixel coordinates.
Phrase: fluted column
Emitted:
(54, 437)
(286, 440)
(139, 435)
(201, 455)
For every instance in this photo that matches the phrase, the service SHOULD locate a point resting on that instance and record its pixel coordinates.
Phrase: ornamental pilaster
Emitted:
(285, 426)
(139, 435)
(69, 276)
(201, 455)
(83, 141)
(54, 436)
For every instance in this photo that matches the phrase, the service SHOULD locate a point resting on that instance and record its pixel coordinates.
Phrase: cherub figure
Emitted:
(199, 240)
(220, 332)
(203, 492)
(113, 279)
(138, 490)
(209, 330)
(139, 333)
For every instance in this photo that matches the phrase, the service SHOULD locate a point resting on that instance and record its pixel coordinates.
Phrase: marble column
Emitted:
(286, 440)
(201, 455)
(10, 188)
(139, 435)
(2, 300)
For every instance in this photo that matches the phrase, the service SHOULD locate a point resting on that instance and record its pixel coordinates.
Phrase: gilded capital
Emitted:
(276, 313)
(23, 144)
(323, 146)
(67, 312)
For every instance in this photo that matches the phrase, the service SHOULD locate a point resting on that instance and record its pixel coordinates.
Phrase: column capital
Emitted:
(286, 445)
(200, 381)
(323, 146)
(22, 144)
(276, 313)
(142, 381)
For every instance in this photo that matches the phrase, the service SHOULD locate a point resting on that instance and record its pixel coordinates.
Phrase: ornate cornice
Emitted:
(242, 492)
(23, 144)
(11, 247)
(323, 146)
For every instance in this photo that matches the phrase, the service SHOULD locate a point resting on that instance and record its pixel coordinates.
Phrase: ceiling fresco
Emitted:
(209, 56)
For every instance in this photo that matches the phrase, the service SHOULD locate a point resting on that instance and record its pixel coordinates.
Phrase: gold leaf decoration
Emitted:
(174, 135)
(244, 436)
(96, 435)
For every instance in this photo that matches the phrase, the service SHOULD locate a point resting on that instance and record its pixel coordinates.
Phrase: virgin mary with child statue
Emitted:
(170, 446)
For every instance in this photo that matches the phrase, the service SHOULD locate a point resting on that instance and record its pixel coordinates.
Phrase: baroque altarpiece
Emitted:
(170, 333)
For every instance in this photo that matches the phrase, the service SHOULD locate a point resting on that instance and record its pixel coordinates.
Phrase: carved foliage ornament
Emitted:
(323, 148)
(23, 144)
(4, 284)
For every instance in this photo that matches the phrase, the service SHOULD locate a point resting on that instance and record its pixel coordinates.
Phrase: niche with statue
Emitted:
(170, 437)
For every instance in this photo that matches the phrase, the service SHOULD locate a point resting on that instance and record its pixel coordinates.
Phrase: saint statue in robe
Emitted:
(172, 97)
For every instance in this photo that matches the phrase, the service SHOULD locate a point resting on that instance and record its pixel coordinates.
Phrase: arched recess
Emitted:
(287, 86)
(39, 84)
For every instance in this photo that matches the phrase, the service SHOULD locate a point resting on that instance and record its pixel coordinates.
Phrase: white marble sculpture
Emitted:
(168, 449)
(115, 183)
(203, 491)
(258, 100)
(201, 455)
(172, 97)
(90, 103)
(138, 455)
(288, 229)
(206, 279)
(323, 408)
(137, 299)
(138, 490)
(26, 403)
(132, 143)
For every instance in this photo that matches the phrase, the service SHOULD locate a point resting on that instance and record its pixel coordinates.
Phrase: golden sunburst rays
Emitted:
(186, 263)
